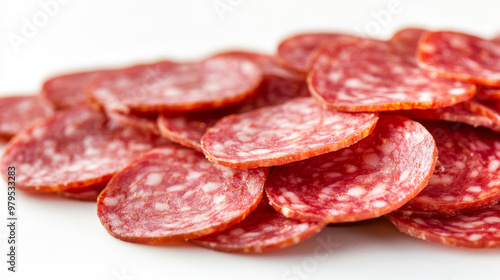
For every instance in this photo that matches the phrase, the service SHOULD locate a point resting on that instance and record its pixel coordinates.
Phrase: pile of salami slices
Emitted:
(249, 152)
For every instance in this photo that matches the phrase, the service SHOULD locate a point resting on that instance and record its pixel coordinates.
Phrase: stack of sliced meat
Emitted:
(248, 152)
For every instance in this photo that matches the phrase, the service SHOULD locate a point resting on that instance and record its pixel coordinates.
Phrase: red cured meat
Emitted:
(188, 129)
(456, 113)
(266, 63)
(295, 52)
(478, 229)
(488, 93)
(276, 135)
(179, 87)
(484, 108)
(461, 56)
(173, 193)
(76, 148)
(19, 112)
(467, 173)
(144, 122)
(366, 180)
(371, 75)
(263, 230)
(67, 91)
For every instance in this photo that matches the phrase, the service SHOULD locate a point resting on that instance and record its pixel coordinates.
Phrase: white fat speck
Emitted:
(371, 159)
(210, 186)
(154, 179)
(176, 188)
(192, 175)
(475, 237)
(474, 189)
(493, 166)
(457, 91)
(355, 83)
(259, 151)
(285, 211)
(404, 175)
(379, 203)
(356, 191)
(110, 201)
(237, 231)
(219, 199)
(161, 206)
(491, 220)
(349, 168)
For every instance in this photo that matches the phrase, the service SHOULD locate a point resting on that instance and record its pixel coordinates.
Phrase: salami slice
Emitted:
(467, 171)
(173, 193)
(19, 112)
(461, 56)
(276, 135)
(366, 180)
(266, 63)
(370, 75)
(144, 122)
(67, 91)
(478, 229)
(263, 230)
(294, 52)
(188, 129)
(177, 87)
(456, 113)
(484, 108)
(76, 148)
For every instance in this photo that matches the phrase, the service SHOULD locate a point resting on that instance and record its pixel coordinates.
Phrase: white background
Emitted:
(63, 239)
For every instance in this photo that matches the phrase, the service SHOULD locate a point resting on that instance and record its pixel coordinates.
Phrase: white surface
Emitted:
(63, 239)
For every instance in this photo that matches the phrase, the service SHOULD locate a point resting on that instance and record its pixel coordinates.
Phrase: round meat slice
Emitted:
(456, 113)
(144, 122)
(467, 174)
(19, 112)
(177, 87)
(263, 230)
(68, 90)
(276, 135)
(488, 109)
(173, 193)
(370, 75)
(76, 148)
(478, 229)
(188, 129)
(294, 52)
(460, 56)
(366, 180)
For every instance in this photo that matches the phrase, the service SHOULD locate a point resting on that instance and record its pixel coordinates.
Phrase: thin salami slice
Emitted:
(177, 87)
(263, 230)
(467, 171)
(266, 63)
(188, 129)
(276, 135)
(371, 75)
(366, 180)
(144, 122)
(478, 229)
(461, 56)
(294, 52)
(173, 193)
(76, 148)
(67, 91)
(19, 112)
(456, 113)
